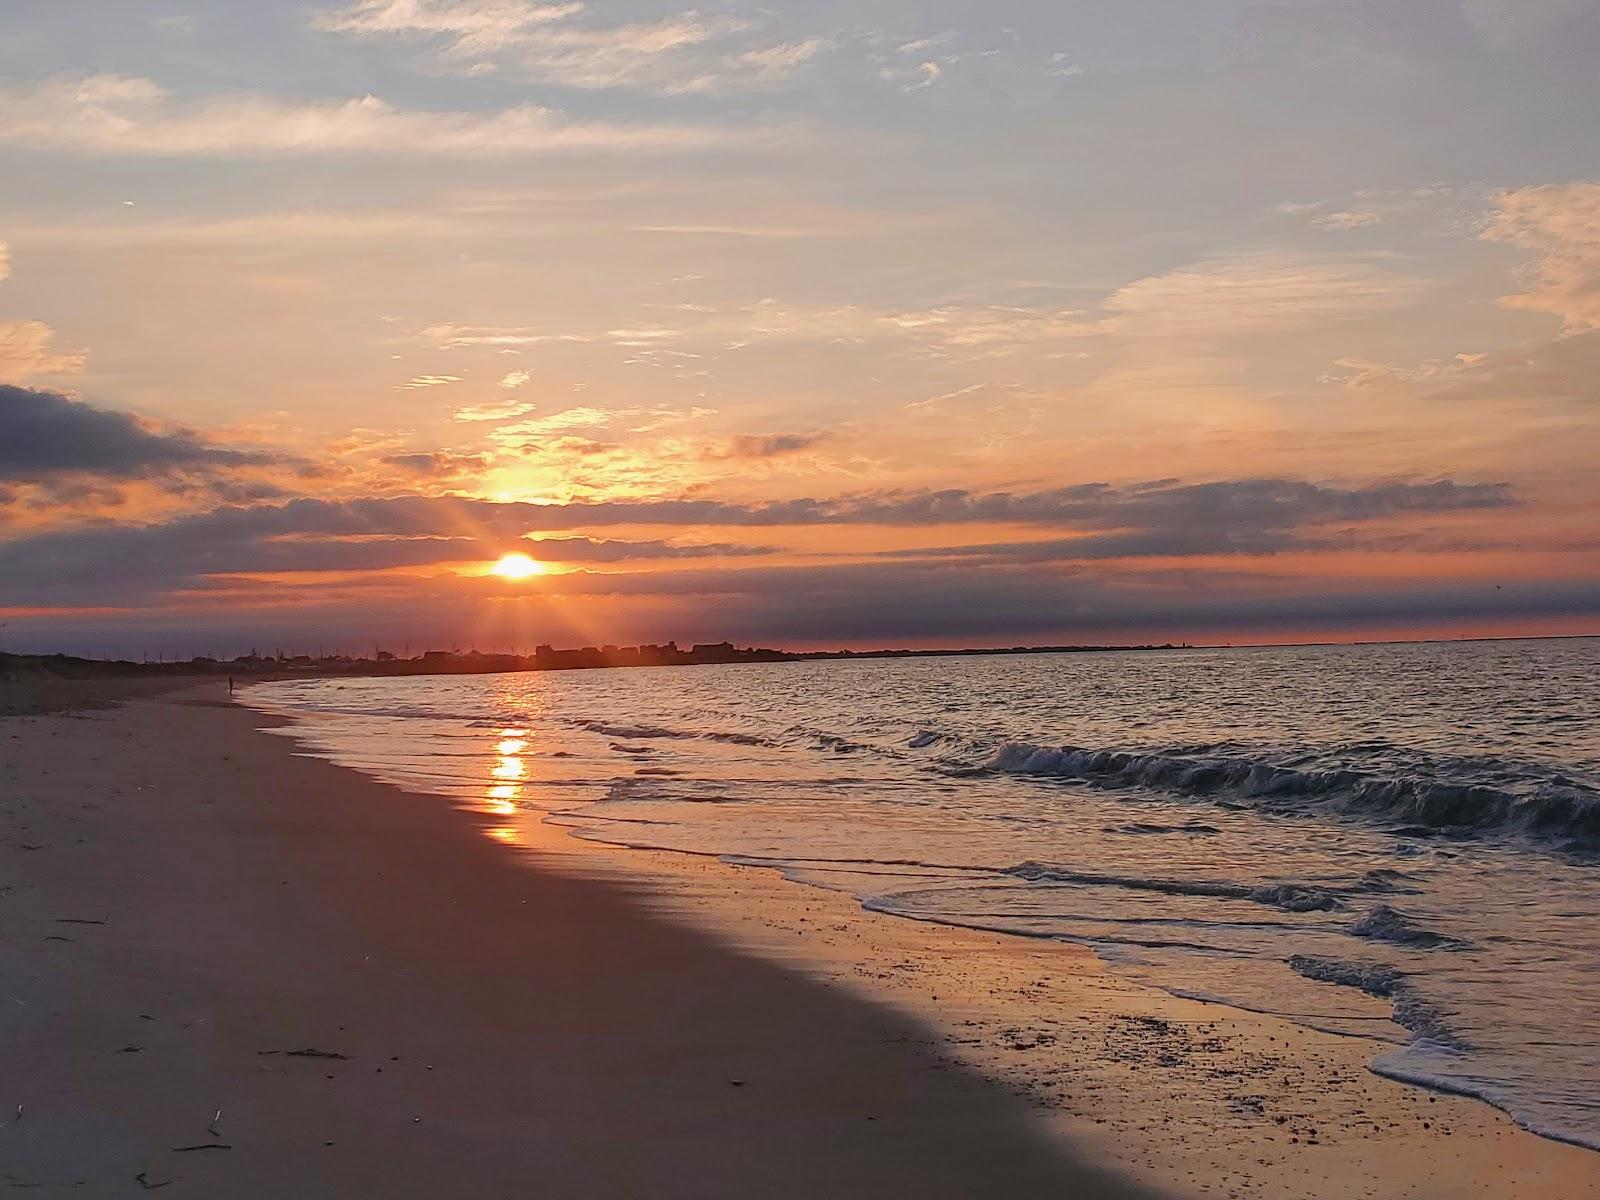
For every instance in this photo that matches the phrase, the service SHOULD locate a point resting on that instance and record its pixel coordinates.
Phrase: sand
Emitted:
(520, 1013)
(197, 922)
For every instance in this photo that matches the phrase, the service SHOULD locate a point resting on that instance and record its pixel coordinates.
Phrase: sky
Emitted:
(802, 323)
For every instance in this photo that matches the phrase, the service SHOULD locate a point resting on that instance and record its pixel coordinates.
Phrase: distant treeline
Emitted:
(474, 662)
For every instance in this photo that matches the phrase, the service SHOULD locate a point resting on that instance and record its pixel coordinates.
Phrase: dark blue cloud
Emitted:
(45, 436)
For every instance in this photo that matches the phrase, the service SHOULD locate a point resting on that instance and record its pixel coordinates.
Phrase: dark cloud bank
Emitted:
(172, 579)
(44, 435)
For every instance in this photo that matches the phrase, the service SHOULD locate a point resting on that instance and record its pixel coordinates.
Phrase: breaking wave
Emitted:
(1550, 807)
(1411, 1011)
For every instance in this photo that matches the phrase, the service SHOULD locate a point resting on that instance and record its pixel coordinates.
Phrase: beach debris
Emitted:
(212, 1128)
(144, 1181)
(201, 1146)
(309, 1052)
(83, 920)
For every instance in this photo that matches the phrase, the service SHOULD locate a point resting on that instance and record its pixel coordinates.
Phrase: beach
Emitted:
(197, 923)
(233, 970)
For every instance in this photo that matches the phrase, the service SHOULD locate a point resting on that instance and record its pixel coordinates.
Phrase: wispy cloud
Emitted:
(453, 337)
(1257, 293)
(495, 410)
(119, 115)
(429, 381)
(1562, 224)
(556, 43)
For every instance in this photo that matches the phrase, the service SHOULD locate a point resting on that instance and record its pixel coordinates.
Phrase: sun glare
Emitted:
(517, 566)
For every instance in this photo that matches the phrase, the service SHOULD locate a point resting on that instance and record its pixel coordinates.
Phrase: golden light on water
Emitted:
(518, 566)
(509, 767)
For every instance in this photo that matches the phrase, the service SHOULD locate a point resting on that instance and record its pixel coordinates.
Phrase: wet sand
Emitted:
(1190, 1098)
(229, 971)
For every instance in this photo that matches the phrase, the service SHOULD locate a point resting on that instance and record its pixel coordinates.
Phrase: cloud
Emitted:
(122, 116)
(1348, 219)
(25, 352)
(515, 379)
(1064, 591)
(495, 410)
(429, 381)
(1256, 294)
(602, 550)
(456, 337)
(45, 434)
(769, 445)
(1240, 513)
(894, 603)
(1211, 300)
(688, 53)
(473, 26)
(1562, 224)
(137, 562)
(946, 330)
(5, 262)
(437, 464)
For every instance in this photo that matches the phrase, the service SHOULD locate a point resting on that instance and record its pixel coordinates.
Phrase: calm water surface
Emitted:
(1399, 843)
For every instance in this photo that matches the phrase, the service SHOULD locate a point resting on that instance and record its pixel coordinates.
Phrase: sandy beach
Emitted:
(230, 970)
(233, 972)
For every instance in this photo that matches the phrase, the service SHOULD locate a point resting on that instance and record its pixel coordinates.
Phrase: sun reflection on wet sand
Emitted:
(503, 799)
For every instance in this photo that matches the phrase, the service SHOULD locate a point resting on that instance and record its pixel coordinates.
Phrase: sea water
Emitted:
(1399, 843)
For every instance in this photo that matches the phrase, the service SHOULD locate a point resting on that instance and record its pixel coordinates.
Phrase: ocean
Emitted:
(1398, 843)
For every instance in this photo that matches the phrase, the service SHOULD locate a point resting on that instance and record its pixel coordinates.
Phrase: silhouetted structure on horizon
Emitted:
(475, 662)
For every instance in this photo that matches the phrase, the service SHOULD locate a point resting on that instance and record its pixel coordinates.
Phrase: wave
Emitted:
(642, 733)
(1385, 924)
(1411, 1011)
(1555, 807)
(1291, 897)
(1148, 827)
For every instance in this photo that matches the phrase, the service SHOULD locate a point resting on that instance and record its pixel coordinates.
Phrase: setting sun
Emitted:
(517, 566)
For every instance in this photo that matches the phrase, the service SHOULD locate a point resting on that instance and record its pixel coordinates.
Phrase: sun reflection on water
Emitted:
(509, 767)
(503, 798)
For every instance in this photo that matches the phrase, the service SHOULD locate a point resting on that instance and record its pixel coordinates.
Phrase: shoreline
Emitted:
(1150, 1079)
(1187, 1096)
(227, 869)
(238, 971)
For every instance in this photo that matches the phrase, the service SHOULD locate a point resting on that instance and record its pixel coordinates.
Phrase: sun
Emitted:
(517, 566)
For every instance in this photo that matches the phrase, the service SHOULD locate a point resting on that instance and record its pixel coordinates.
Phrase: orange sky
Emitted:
(822, 324)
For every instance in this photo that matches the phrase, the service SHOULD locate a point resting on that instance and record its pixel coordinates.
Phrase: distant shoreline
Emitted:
(67, 666)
